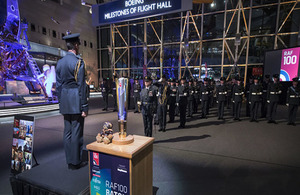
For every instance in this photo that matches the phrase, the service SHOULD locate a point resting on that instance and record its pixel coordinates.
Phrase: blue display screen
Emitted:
(124, 10)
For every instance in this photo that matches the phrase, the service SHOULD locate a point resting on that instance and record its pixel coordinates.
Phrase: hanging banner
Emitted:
(22, 147)
(126, 10)
(289, 64)
(109, 174)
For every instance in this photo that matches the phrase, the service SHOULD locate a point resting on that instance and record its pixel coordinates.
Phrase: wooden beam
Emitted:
(202, 1)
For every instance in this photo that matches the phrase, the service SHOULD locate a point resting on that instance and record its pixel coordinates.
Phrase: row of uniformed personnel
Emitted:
(156, 98)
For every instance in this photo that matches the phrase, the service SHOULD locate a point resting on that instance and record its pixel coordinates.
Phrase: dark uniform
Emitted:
(273, 95)
(247, 94)
(255, 93)
(229, 93)
(177, 107)
(105, 90)
(204, 98)
(264, 105)
(191, 97)
(136, 95)
(162, 95)
(149, 107)
(221, 98)
(212, 90)
(292, 101)
(196, 97)
(182, 100)
(172, 102)
(237, 97)
(114, 94)
(73, 100)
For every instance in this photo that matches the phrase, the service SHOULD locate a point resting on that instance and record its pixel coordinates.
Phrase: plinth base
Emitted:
(118, 141)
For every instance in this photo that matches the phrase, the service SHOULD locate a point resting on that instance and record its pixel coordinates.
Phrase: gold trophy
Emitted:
(121, 138)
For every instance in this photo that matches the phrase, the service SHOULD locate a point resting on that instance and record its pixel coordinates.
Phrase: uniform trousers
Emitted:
(205, 107)
(221, 106)
(292, 113)
(272, 107)
(182, 111)
(73, 137)
(254, 110)
(162, 115)
(148, 119)
(237, 109)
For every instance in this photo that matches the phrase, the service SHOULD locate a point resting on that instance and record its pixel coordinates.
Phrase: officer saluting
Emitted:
(204, 98)
(71, 88)
(182, 101)
(172, 100)
(292, 101)
(136, 93)
(237, 97)
(221, 98)
(149, 105)
(273, 95)
(255, 93)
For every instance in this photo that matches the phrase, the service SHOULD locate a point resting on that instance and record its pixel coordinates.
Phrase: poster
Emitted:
(289, 64)
(23, 131)
(109, 174)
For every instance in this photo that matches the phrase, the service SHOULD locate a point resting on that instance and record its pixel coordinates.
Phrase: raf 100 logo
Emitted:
(289, 58)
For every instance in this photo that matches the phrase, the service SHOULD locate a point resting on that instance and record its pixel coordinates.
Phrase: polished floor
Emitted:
(209, 156)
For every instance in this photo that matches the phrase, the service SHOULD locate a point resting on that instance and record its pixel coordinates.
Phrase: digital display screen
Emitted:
(125, 10)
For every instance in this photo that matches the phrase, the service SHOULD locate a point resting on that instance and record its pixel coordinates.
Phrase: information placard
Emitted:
(109, 174)
(125, 10)
(22, 147)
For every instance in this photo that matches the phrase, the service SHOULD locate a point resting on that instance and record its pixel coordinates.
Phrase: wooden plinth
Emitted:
(118, 141)
(140, 156)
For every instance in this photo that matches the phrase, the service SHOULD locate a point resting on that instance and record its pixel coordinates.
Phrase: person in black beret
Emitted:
(264, 104)
(196, 96)
(177, 83)
(273, 95)
(163, 96)
(221, 97)
(204, 98)
(292, 101)
(255, 93)
(172, 101)
(136, 93)
(104, 88)
(182, 101)
(191, 97)
(247, 95)
(72, 93)
(148, 104)
(237, 97)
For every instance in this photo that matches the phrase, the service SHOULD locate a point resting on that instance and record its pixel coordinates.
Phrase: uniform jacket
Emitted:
(149, 100)
(204, 92)
(293, 95)
(255, 93)
(274, 91)
(173, 93)
(197, 92)
(113, 89)
(137, 90)
(182, 94)
(221, 93)
(191, 92)
(72, 94)
(160, 92)
(104, 89)
(237, 93)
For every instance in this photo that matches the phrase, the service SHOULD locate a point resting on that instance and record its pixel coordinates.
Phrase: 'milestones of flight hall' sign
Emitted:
(125, 10)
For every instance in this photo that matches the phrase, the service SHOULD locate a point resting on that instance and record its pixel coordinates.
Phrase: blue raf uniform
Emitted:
(191, 97)
(221, 98)
(255, 93)
(149, 106)
(72, 93)
(273, 95)
(182, 101)
(204, 98)
(105, 90)
(163, 96)
(237, 98)
(136, 94)
(172, 100)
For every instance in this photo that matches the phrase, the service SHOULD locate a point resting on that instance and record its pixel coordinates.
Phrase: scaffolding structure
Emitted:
(247, 30)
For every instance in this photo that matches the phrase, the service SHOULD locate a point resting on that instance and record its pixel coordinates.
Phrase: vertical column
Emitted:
(277, 25)
(224, 35)
(201, 40)
(161, 46)
(100, 56)
(128, 50)
(145, 43)
(180, 47)
(248, 42)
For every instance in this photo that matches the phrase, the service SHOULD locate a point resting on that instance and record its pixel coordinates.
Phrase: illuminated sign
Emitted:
(289, 64)
(125, 10)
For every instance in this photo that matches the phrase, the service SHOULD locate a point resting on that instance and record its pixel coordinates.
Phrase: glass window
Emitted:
(32, 26)
(105, 37)
(122, 57)
(137, 57)
(212, 53)
(136, 34)
(62, 35)
(44, 31)
(152, 30)
(84, 43)
(213, 26)
(263, 20)
(54, 33)
(172, 31)
(91, 45)
(105, 59)
(121, 36)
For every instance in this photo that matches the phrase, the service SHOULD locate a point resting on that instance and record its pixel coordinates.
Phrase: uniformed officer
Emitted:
(182, 101)
(264, 105)
(237, 97)
(114, 93)
(163, 96)
(190, 106)
(292, 101)
(221, 97)
(177, 107)
(172, 100)
(273, 95)
(149, 105)
(73, 100)
(136, 93)
(196, 96)
(204, 97)
(104, 88)
(229, 86)
(247, 94)
(212, 92)
(255, 93)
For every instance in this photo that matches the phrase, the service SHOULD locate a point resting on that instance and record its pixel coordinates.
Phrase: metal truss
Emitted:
(193, 56)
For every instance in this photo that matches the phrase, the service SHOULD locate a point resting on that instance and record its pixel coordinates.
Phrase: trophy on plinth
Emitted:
(121, 138)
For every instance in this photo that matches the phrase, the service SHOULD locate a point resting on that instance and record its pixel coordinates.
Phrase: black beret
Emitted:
(172, 80)
(191, 80)
(276, 76)
(163, 76)
(222, 79)
(177, 81)
(183, 78)
(136, 78)
(296, 79)
(267, 76)
(147, 78)
(205, 79)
